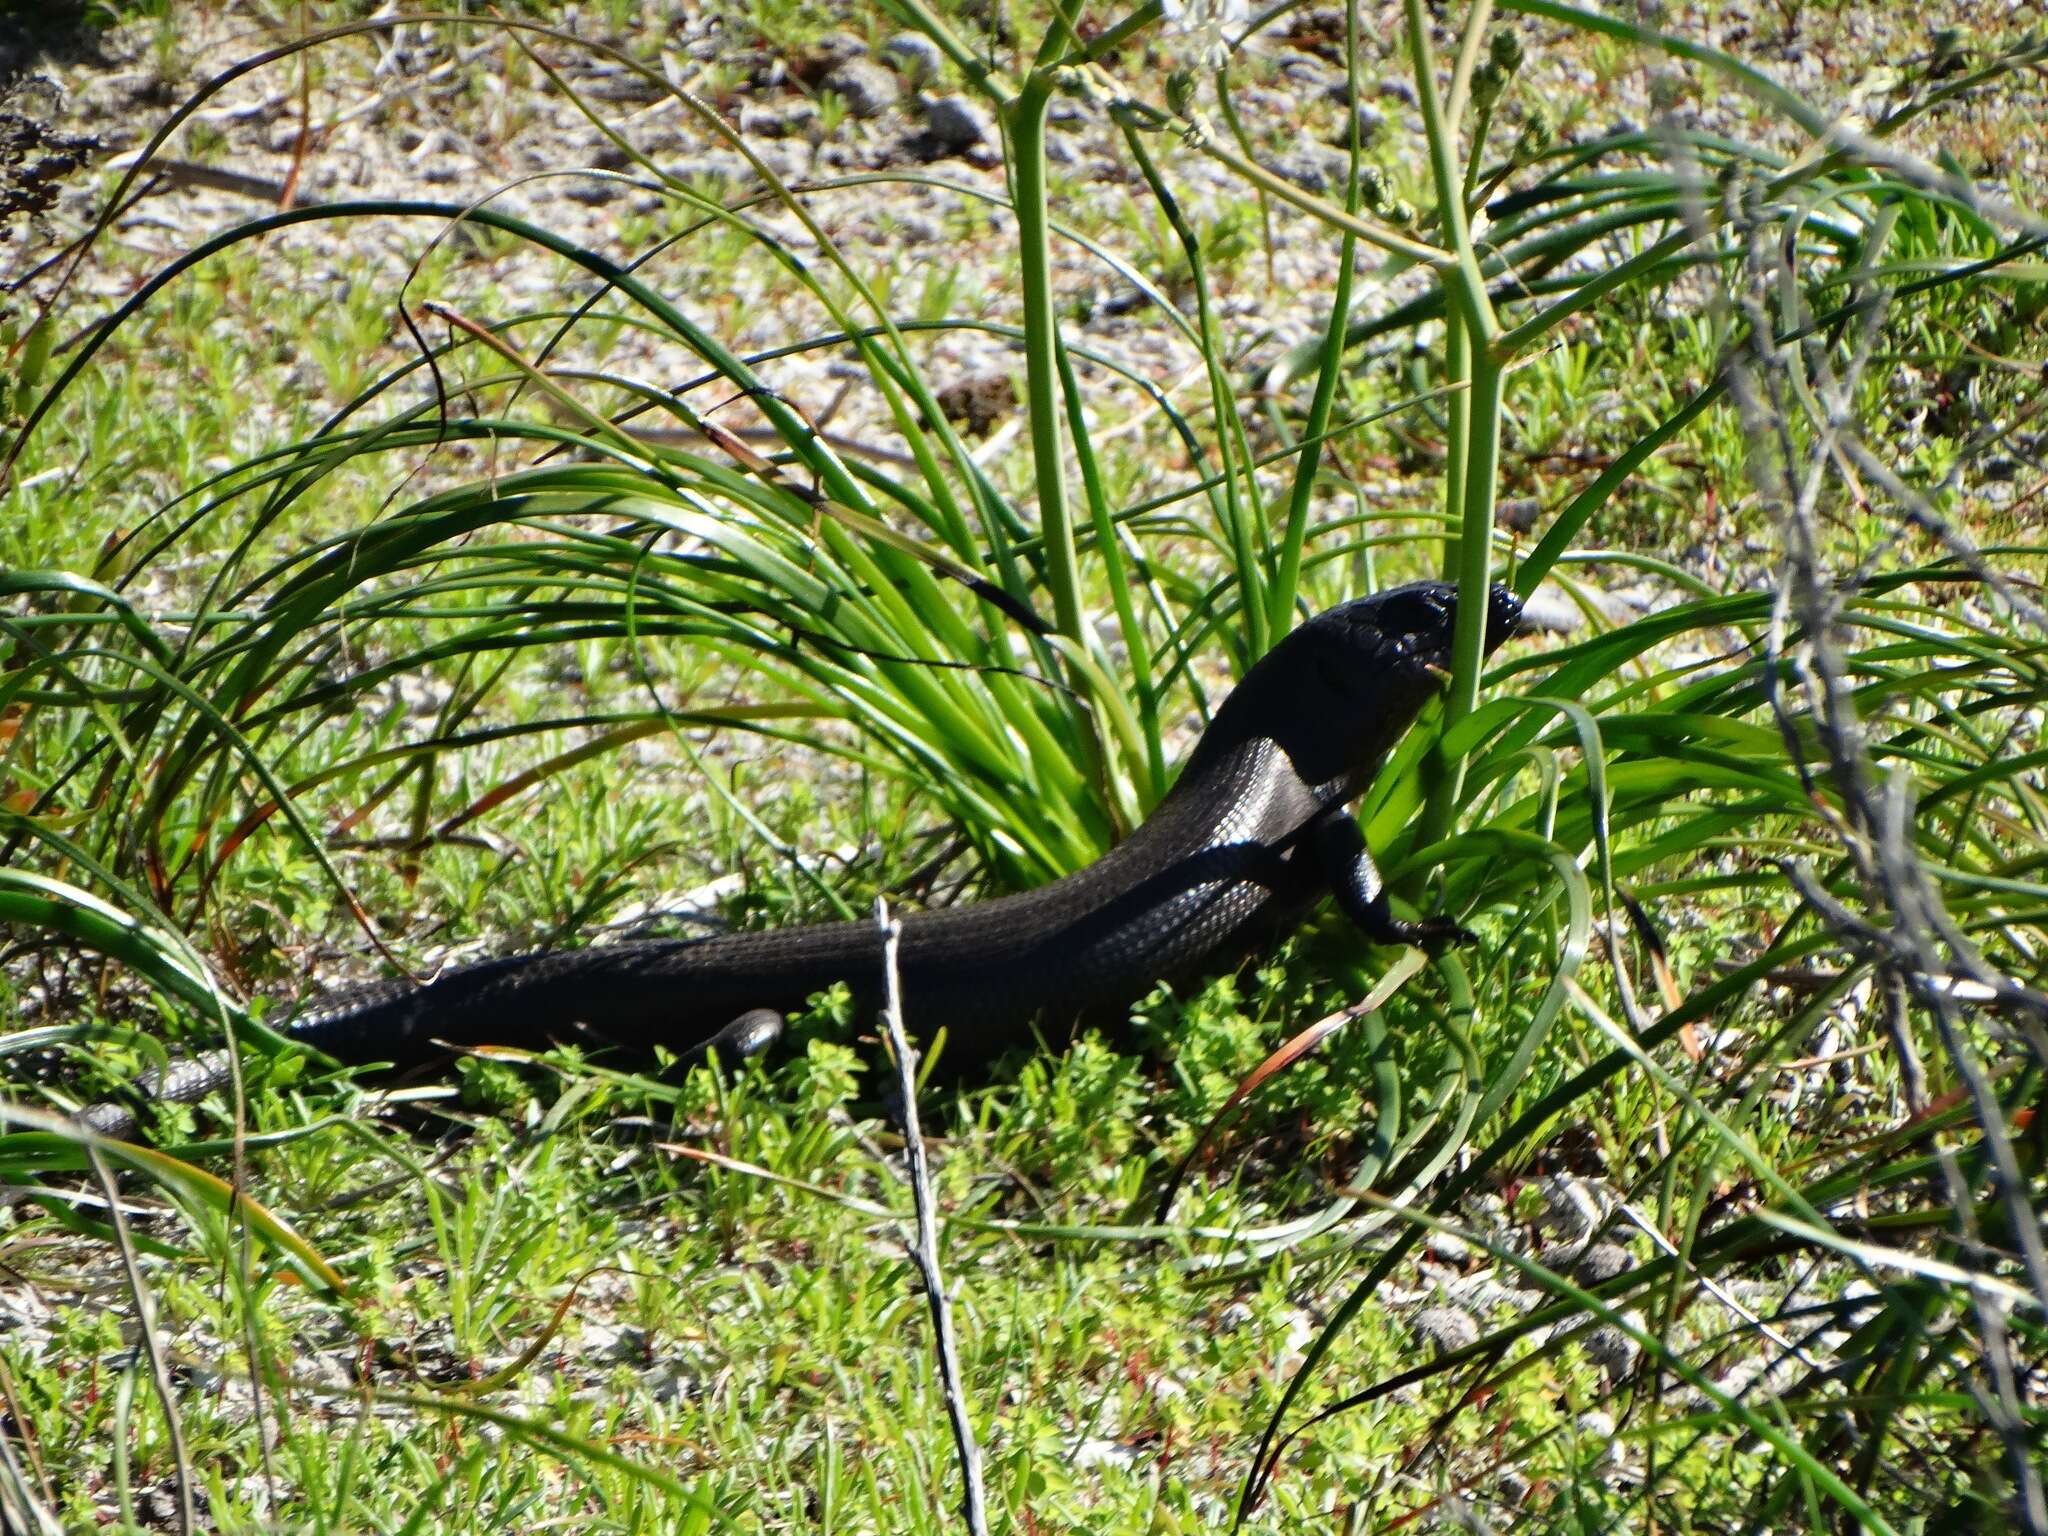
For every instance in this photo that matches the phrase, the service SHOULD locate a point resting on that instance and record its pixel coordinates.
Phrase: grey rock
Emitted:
(1448, 1328)
(764, 71)
(1613, 1351)
(1573, 1206)
(668, 1381)
(158, 1509)
(1549, 611)
(1603, 1261)
(1363, 123)
(1314, 167)
(1307, 69)
(1519, 513)
(867, 88)
(1448, 1248)
(956, 123)
(1588, 1264)
(916, 56)
(1394, 88)
(1096, 1451)
(832, 50)
(787, 120)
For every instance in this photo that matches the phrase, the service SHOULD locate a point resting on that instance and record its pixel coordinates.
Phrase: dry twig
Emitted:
(924, 1250)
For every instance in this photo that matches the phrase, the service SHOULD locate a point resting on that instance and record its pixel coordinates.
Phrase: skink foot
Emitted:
(748, 1035)
(1429, 933)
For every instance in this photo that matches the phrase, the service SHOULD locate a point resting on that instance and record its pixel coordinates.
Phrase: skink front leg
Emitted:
(748, 1035)
(1355, 881)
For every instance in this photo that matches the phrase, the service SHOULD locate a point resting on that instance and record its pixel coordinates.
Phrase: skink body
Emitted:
(1252, 833)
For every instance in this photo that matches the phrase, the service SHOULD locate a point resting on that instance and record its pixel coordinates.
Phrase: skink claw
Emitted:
(1433, 931)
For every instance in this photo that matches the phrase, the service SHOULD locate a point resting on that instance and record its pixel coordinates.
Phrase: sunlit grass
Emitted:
(517, 640)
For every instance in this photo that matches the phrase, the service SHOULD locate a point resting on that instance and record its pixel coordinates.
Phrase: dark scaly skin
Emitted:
(1252, 833)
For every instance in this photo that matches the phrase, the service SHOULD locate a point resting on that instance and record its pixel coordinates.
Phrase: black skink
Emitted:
(1253, 831)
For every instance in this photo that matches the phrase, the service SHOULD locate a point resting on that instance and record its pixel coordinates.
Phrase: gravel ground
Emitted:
(409, 113)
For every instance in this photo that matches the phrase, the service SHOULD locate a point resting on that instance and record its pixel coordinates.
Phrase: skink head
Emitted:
(1338, 692)
(1402, 631)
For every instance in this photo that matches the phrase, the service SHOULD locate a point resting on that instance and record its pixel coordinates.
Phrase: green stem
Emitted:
(1294, 532)
(1473, 156)
(1457, 435)
(1025, 117)
(1461, 76)
(1114, 37)
(1475, 460)
(1476, 544)
(1378, 236)
(1150, 772)
(1470, 292)
(1244, 512)
(976, 70)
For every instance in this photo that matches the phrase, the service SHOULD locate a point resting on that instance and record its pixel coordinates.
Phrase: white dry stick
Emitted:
(924, 1252)
(151, 1343)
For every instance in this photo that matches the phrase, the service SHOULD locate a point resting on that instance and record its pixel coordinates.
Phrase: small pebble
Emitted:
(916, 56)
(1448, 1328)
(1314, 167)
(955, 123)
(1363, 123)
(867, 88)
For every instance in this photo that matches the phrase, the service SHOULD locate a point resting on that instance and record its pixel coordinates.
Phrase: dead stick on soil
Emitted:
(149, 1343)
(924, 1252)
